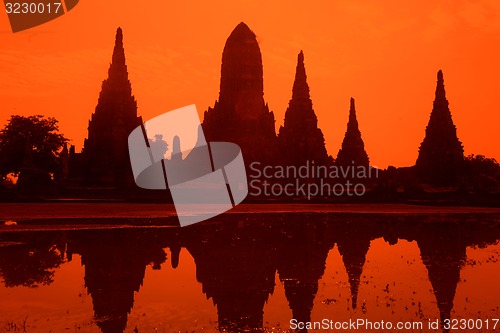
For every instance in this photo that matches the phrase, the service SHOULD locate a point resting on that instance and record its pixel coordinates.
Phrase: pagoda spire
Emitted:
(440, 92)
(300, 140)
(441, 154)
(118, 52)
(353, 121)
(353, 147)
(300, 86)
(106, 148)
(117, 72)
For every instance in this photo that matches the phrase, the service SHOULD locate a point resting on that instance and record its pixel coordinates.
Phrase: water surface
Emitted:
(251, 272)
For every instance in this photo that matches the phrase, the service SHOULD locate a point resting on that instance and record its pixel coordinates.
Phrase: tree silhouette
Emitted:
(482, 173)
(33, 134)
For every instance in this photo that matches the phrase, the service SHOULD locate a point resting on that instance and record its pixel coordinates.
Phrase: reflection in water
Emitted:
(31, 264)
(115, 263)
(236, 267)
(237, 258)
(303, 248)
(353, 245)
(443, 254)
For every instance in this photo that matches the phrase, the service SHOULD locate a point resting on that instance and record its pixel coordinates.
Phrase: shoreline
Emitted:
(27, 211)
(18, 217)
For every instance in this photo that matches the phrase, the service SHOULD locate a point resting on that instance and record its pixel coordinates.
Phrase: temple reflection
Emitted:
(444, 255)
(303, 248)
(114, 272)
(237, 259)
(235, 264)
(353, 242)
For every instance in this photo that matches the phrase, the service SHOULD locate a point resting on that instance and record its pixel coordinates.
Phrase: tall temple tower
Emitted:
(241, 115)
(300, 139)
(353, 148)
(105, 151)
(441, 154)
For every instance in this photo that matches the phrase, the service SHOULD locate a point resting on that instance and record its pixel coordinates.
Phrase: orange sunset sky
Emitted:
(385, 54)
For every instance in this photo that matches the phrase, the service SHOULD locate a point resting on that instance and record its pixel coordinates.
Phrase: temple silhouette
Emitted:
(353, 148)
(441, 154)
(104, 159)
(241, 115)
(300, 140)
(237, 258)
